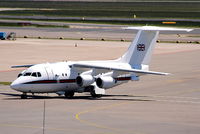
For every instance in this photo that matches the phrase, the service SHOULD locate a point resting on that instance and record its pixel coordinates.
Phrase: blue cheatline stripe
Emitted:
(69, 81)
(52, 81)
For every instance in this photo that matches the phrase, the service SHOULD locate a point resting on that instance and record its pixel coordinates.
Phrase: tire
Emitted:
(69, 94)
(94, 95)
(23, 96)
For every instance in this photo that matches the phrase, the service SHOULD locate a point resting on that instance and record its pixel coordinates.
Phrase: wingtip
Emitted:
(189, 30)
(168, 74)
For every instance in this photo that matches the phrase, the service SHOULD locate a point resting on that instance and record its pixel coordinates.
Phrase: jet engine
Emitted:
(105, 82)
(84, 80)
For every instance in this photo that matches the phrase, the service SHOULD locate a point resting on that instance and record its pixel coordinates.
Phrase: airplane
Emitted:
(95, 77)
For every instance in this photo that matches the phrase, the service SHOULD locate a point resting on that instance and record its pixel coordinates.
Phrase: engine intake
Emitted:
(84, 80)
(105, 82)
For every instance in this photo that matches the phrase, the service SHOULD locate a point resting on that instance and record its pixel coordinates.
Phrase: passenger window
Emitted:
(34, 74)
(65, 74)
(39, 74)
(27, 74)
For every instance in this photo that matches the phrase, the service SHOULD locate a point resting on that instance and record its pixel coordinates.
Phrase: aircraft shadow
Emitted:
(87, 97)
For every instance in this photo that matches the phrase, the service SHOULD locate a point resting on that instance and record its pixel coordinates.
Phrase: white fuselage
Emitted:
(55, 77)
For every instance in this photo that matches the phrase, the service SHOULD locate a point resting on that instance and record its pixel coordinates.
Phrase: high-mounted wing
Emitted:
(22, 66)
(140, 72)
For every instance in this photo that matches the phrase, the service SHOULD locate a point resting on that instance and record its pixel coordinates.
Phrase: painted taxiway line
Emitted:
(77, 116)
(168, 99)
(189, 91)
(181, 93)
(90, 123)
(174, 99)
(177, 97)
(178, 51)
(177, 101)
(17, 125)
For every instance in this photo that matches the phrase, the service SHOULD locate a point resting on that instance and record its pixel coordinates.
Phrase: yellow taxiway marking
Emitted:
(15, 125)
(188, 91)
(179, 99)
(175, 81)
(176, 97)
(181, 91)
(77, 116)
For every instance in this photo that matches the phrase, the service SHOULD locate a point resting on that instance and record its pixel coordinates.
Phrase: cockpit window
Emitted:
(39, 74)
(19, 75)
(27, 74)
(34, 74)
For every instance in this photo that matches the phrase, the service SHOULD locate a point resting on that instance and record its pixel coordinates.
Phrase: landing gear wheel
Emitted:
(69, 94)
(24, 96)
(94, 95)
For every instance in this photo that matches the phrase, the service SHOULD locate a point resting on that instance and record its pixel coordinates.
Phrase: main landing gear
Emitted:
(91, 89)
(69, 94)
(24, 96)
(94, 95)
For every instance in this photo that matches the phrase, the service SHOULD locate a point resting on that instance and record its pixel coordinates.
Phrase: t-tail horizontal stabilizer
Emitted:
(140, 51)
(154, 28)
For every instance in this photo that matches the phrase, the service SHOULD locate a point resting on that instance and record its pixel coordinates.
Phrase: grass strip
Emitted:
(5, 83)
(142, 9)
(106, 13)
(112, 6)
(188, 24)
(13, 24)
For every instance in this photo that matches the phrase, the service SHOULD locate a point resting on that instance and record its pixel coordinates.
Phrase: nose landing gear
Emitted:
(24, 96)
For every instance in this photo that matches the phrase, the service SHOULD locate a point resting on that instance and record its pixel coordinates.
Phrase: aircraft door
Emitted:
(49, 73)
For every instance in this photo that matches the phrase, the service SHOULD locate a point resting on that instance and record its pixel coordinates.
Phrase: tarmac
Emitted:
(153, 105)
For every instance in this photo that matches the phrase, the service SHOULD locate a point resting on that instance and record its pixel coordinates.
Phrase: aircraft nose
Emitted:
(15, 85)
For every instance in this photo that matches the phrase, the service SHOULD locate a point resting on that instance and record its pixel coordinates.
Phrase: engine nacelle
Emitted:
(84, 80)
(105, 82)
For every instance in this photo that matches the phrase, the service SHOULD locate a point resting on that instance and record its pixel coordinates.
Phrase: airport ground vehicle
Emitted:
(2, 35)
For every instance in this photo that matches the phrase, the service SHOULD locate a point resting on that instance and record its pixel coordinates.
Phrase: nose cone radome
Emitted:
(15, 85)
